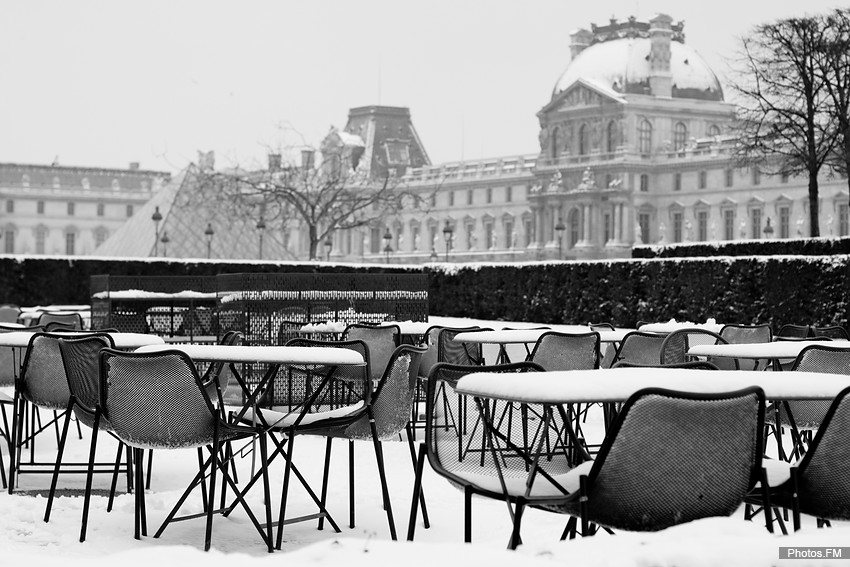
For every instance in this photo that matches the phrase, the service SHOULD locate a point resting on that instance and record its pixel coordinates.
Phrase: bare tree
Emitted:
(333, 195)
(784, 127)
(834, 70)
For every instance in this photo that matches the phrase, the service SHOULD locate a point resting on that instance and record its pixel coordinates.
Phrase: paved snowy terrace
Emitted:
(26, 539)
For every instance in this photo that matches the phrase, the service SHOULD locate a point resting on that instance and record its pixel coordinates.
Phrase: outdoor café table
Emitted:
(530, 336)
(556, 388)
(776, 351)
(670, 326)
(274, 357)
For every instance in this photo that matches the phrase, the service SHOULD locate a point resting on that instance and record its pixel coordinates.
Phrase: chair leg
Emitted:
(515, 537)
(210, 507)
(115, 473)
(150, 469)
(89, 477)
(569, 529)
(410, 438)
(60, 450)
(379, 456)
(137, 463)
(467, 514)
(284, 493)
(326, 471)
(351, 484)
(417, 491)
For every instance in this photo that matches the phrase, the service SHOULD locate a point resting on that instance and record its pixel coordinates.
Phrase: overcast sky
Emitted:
(105, 83)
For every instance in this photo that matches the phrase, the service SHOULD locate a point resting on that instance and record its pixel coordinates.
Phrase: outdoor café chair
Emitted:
(456, 442)
(736, 334)
(382, 341)
(158, 401)
(819, 483)
(73, 321)
(791, 331)
(831, 331)
(803, 417)
(81, 360)
(639, 346)
(709, 461)
(384, 416)
(674, 347)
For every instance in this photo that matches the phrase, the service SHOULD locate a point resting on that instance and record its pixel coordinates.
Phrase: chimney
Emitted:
(274, 162)
(134, 166)
(660, 35)
(579, 39)
(206, 160)
(307, 158)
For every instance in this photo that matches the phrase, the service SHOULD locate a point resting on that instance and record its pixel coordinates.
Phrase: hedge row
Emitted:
(798, 246)
(766, 289)
(774, 290)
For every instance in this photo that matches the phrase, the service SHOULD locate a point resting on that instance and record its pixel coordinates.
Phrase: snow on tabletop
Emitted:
(142, 294)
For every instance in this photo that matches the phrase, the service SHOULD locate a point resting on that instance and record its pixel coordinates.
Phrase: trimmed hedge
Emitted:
(775, 290)
(798, 246)
(763, 289)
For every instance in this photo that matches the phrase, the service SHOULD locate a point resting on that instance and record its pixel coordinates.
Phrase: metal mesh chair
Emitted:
(81, 360)
(386, 414)
(692, 364)
(790, 331)
(639, 346)
(157, 401)
(382, 341)
(736, 334)
(805, 416)
(70, 320)
(818, 484)
(709, 461)
(833, 332)
(675, 347)
(475, 459)
(566, 351)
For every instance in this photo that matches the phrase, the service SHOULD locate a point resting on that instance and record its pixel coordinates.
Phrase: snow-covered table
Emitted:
(774, 351)
(527, 337)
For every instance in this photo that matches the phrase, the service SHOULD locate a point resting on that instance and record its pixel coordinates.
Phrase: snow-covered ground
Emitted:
(25, 537)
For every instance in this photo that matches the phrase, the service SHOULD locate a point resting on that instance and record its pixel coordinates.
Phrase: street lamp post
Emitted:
(261, 227)
(165, 240)
(448, 233)
(156, 218)
(328, 245)
(387, 239)
(560, 228)
(208, 233)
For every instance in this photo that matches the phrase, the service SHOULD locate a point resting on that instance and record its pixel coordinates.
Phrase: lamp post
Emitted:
(156, 217)
(208, 233)
(328, 245)
(387, 239)
(165, 240)
(560, 228)
(448, 233)
(261, 226)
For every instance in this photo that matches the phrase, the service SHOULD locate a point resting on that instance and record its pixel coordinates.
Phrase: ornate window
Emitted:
(583, 140)
(714, 130)
(680, 136)
(645, 137)
(644, 182)
(553, 144)
(784, 213)
(612, 137)
(574, 226)
(40, 239)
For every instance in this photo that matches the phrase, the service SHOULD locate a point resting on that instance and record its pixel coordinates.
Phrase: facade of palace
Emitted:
(53, 209)
(635, 147)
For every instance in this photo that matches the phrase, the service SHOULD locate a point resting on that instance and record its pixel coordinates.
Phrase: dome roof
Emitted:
(623, 65)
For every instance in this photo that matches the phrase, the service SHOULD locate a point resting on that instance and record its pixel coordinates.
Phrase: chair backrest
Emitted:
(129, 321)
(794, 331)
(288, 330)
(709, 460)
(832, 331)
(74, 320)
(293, 384)
(692, 364)
(454, 352)
(808, 414)
(9, 313)
(382, 341)
(81, 360)
(392, 400)
(566, 351)
(601, 326)
(43, 381)
(429, 357)
(676, 344)
(155, 400)
(216, 378)
(455, 440)
(822, 487)
(641, 347)
(10, 362)
(735, 334)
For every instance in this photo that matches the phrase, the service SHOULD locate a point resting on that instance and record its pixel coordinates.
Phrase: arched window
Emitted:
(680, 136)
(645, 137)
(583, 140)
(612, 137)
(574, 226)
(553, 144)
(714, 130)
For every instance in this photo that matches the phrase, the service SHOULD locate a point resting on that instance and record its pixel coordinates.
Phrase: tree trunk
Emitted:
(814, 225)
(314, 242)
